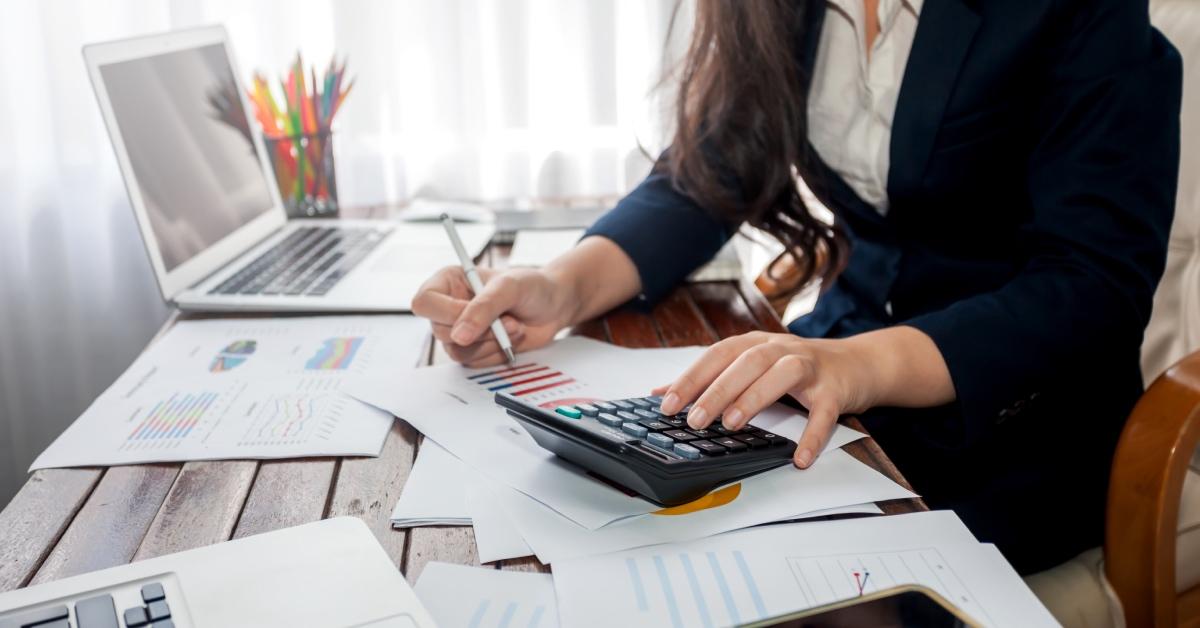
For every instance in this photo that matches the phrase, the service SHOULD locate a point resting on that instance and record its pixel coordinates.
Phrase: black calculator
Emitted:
(632, 443)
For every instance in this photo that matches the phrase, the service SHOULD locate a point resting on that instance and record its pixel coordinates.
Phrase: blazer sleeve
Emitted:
(1101, 182)
(665, 233)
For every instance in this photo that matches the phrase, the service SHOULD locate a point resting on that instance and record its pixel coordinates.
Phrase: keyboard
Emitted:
(141, 604)
(632, 443)
(308, 262)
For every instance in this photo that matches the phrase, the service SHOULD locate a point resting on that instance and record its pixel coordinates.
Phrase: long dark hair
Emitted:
(741, 133)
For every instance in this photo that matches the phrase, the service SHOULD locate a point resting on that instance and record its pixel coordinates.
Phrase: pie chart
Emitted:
(233, 355)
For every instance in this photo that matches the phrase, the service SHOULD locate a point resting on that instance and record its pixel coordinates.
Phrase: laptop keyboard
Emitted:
(308, 262)
(99, 611)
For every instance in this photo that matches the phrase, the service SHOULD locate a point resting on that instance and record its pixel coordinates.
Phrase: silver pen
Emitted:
(472, 274)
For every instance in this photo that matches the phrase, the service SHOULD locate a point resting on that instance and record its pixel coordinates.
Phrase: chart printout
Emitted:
(245, 388)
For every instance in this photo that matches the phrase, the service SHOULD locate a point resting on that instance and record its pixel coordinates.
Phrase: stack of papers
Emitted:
(744, 576)
(245, 388)
(478, 463)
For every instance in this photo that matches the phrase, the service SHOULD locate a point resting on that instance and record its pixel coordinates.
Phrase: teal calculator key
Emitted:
(610, 420)
(588, 409)
(687, 451)
(635, 430)
(569, 412)
(660, 440)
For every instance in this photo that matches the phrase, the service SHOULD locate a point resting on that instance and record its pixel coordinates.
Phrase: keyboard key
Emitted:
(657, 426)
(753, 441)
(38, 616)
(609, 420)
(628, 416)
(623, 405)
(646, 414)
(158, 610)
(588, 409)
(153, 592)
(680, 435)
(775, 439)
(96, 612)
(136, 616)
(569, 412)
(709, 448)
(660, 440)
(687, 451)
(732, 445)
(605, 406)
(635, 430)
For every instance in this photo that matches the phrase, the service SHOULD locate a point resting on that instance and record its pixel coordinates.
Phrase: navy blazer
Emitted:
(1034, 158)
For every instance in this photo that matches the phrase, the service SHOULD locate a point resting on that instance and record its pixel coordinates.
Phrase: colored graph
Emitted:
(692, 588)
(523, 379)
(169, 421)
(505, 614)
(335, 354)
(295, 418)
(233, 355)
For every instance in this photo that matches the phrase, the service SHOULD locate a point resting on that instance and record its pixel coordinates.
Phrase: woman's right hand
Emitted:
(530, 303)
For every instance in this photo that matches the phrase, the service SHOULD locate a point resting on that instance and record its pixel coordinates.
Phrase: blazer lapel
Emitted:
(944, 34)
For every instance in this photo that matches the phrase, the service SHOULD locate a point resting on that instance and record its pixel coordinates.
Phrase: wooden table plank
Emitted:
(723, 307)
(202, 507)
(109, 528)
(287, 493)
(447, 544)
(680, 323)
(37, 516)
(368, 488)
(629, 327)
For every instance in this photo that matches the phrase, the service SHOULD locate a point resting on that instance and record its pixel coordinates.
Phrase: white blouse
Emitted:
(852, 99)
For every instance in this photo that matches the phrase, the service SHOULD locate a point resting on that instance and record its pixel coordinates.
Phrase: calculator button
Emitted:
(775, 439)
(646, 414)
(660, 440)
(642, 403)
(674, 422)
(751, 430)
(136, 616)
(628, 416)
(605, 406)
(732, 445)
(624, 405)
(654, 399)
(609, 420)
(704, 433)
(569, 412)
(588, 409)
(720, 429)
(158, 610)
(753, 441)
(96, 612)
(657, 426)
(680, 435)
(635, 430)
(687, 451)
(153, 592)
(709, 448)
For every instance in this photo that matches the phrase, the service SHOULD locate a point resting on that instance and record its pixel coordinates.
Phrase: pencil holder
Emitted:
(305, 172)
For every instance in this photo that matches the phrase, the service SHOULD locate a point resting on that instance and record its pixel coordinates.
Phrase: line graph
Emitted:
(293, 418)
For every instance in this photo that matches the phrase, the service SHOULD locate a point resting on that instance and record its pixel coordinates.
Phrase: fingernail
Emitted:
(696, 418)
(462, 333)
(670, 403)
(732, 419)
(804, 458)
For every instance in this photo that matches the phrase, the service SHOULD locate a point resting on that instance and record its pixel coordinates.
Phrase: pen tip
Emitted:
(510, 354)
(444, 217)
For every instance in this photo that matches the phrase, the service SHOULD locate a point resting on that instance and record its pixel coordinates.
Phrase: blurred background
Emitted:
(480, 100)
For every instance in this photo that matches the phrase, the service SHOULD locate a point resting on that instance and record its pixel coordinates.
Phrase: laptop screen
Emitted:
(189, 145)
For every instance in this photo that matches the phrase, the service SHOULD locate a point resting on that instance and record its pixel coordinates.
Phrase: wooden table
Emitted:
(70, 521)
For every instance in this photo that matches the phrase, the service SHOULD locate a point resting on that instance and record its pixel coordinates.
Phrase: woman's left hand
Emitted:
(740, 376)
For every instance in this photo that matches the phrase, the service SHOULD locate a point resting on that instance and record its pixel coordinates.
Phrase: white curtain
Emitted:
(465, 99)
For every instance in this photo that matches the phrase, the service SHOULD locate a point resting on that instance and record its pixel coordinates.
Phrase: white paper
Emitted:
(537, 247)
(435, 491)
(496, 536)
(763, 572)
(245, 388)
(416, 251)
(835, 480)
(479, 597)
(447, 405)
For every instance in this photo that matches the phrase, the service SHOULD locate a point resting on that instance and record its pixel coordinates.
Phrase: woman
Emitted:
(1002, 176)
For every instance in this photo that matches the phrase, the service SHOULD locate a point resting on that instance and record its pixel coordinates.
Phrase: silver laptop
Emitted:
(207, 204)
(328, 573)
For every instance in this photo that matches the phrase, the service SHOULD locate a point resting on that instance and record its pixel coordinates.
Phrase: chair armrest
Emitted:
(1148, 469)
